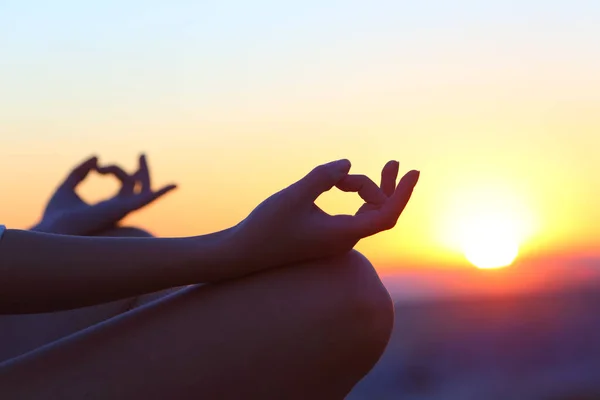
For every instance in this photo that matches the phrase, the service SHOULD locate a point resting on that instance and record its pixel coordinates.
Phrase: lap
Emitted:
(22, 333)
(302, 327)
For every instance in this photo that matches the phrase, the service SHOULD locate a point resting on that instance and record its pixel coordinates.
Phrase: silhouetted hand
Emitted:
(66, 213)
(288, 227)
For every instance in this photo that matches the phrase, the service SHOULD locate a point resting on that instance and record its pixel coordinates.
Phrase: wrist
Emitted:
(43, 227)
(219, 252)
(54, 227)
(248, 250)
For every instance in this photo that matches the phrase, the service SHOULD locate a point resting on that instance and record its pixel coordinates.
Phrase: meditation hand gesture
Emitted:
(288, 227)
(66, 213)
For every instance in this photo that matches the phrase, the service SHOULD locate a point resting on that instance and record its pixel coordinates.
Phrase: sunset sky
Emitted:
(496, 103)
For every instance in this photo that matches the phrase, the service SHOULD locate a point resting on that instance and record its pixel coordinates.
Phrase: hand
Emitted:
(66, 213)
(288, 227)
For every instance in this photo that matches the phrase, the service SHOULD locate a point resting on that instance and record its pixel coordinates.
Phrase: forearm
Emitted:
(41, 272)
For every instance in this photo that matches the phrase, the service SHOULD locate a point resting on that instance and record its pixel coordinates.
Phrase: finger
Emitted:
(143, 175)
(146, 198)
(127, 181)
(320, 180)
(79, 173)
(367, 207)
(107, 214)
(401, 195)
(388, 177)
(366, 188)
(371, 222)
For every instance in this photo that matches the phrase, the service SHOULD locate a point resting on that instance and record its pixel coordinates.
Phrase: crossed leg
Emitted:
(303, 331)
(22, 333)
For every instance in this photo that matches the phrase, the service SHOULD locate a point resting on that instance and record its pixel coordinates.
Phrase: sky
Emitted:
(496, 103)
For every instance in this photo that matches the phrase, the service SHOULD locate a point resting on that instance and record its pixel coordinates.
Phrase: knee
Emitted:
(125, 231)
(366, 311)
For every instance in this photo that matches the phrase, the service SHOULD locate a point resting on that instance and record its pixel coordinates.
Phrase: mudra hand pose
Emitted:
(287, 309)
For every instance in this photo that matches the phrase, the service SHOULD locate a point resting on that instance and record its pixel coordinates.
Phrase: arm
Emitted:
(43, 273)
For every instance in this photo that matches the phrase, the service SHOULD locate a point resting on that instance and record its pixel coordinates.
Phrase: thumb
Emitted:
(80, 172)
(321, 179)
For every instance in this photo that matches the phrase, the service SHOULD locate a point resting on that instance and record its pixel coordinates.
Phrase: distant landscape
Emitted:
(543, 345)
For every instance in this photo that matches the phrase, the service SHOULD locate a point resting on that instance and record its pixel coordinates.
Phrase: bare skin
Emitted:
(21, 333)
(68, 214)
(255, 327)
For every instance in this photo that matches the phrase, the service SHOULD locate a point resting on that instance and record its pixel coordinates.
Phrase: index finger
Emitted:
(366, 188)
(127, 181)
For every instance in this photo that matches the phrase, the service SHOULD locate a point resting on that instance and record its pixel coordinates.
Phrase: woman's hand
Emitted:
(66, 213)
(288, 227)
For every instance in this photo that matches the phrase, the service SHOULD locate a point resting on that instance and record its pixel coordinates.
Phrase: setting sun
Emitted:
(488, 223)
(489, 242)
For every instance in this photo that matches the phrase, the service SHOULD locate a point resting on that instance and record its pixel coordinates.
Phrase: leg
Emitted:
(23, 333)
(304, 331)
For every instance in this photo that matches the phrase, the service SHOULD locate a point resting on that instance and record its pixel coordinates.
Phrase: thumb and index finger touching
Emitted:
(81, 171)
(390, 198)
(335, 174)
(128, 182)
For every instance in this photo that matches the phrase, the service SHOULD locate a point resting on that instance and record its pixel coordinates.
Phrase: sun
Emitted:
(489, 241)
(486, 221)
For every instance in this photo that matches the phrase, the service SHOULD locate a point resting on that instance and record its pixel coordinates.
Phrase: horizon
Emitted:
(495, 104)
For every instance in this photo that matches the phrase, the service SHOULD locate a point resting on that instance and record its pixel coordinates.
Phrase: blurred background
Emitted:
(495, 264)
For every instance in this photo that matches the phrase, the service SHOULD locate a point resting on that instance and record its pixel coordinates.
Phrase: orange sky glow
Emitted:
(499, 125)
